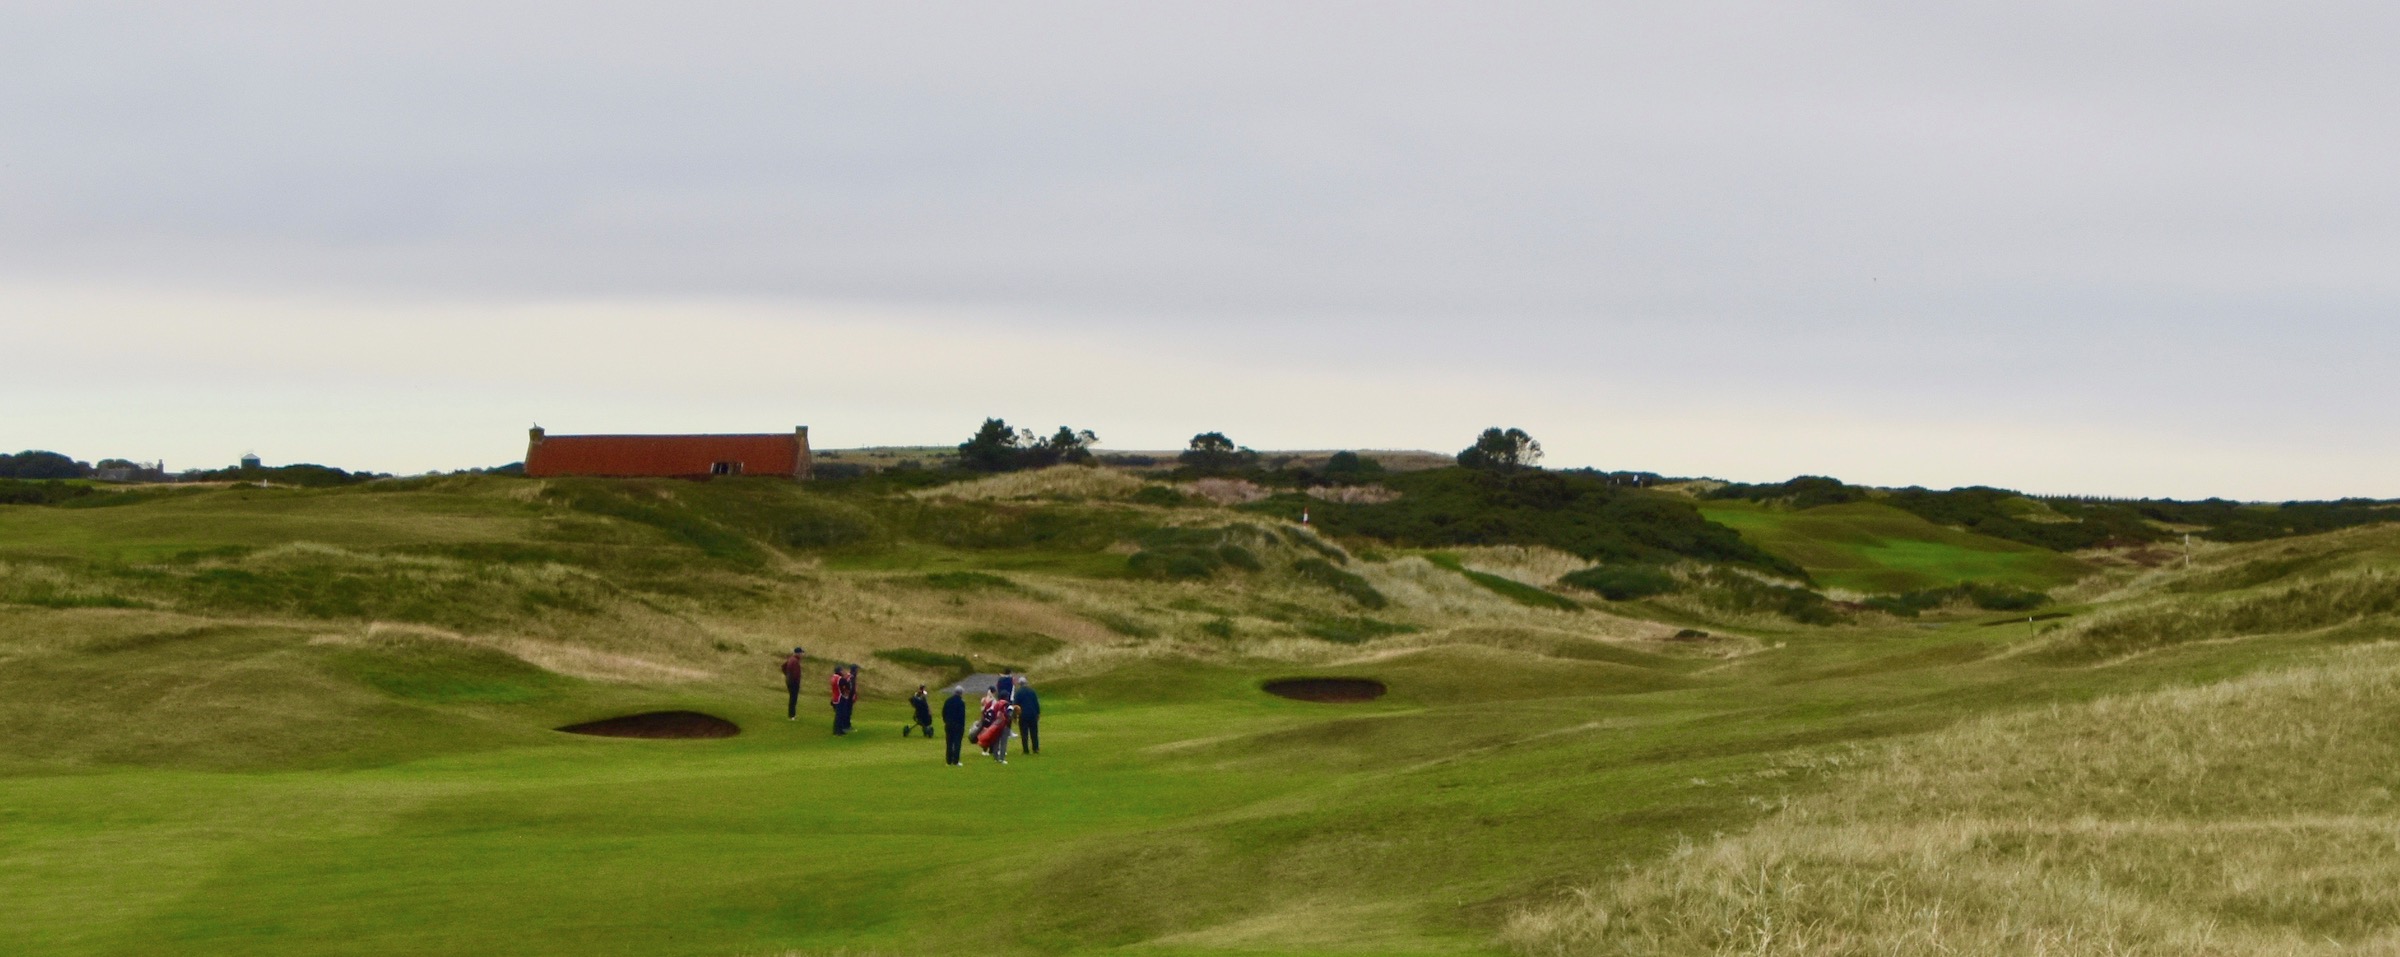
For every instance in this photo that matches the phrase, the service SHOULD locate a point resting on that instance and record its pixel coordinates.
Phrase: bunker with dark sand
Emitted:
(658, 724)
(1326, 690)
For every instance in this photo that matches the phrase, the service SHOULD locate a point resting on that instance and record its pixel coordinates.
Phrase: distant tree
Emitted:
(994, 448)
(998, 448)
(1351, 466)
(1213, 452)
(1498, 450)
(33, 464)
(1070, 447)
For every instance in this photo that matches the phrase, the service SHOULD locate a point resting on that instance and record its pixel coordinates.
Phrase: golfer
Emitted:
(833, 691)
(954, 723)
(1029, 718)
(849, 698)
(791, 683)
(995, 735)
(924, 714)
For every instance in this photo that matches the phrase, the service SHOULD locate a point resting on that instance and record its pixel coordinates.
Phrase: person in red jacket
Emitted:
(791, 683)
(997, 712)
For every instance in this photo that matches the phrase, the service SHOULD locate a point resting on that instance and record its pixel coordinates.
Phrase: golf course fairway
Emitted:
(326, 722)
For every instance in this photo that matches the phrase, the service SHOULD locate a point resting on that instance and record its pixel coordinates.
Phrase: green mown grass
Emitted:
(271, 767)
(1867, 547)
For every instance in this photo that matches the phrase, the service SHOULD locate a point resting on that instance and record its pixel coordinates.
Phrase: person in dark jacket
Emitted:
(849, 696)
(954, 724)
(1029, 718)
(916, 702)
(792, 667)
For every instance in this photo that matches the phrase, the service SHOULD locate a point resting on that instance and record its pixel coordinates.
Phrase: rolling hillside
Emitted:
(291, 721)
(1869, 547)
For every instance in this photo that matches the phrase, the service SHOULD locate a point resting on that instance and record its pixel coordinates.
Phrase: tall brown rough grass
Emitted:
(2305, 606)
(1067, 482)
(2255, 816)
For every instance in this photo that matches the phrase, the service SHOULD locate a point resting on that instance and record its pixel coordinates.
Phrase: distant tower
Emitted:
(250, 460)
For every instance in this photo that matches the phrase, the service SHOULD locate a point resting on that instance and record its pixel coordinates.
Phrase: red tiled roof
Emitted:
(665, 456)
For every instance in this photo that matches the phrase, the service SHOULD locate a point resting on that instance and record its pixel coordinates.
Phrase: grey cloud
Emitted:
(1870, 202)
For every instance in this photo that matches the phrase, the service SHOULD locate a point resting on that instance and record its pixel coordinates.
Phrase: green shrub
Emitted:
(966, 581)
(1736, 592)
(2301, 607)
(1508, 588)
(1576, 512)
(1173, 564)
(1351, 586)
(1126, 625)
(1986, 597)
(1218, 627)
(1622, 582)
(43, 492)
(46, 596)
(1159, 495)
(1184, 553)
(1310, 541)
(1804, 492)
(1239, 557)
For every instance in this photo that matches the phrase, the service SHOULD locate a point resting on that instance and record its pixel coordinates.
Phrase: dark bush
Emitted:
(35, 464)
(1806, 491)
(950, 665)
(1160, 495)
(1355, 588)
(995, 447)
(1239, 557)
(1734, 591)
(1189, 553)
(1211, 453)
(1346, 468)
(1173, 564)
(1351, 631)
(1577, 513)
(1622, 582)
(1505, 587)
(1126, 625)
(21, 492)
(967, 581)
(1986, 597)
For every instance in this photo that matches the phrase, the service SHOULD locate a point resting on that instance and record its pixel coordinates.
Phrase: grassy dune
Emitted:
(271, 721)
(1867, 547)
(2253, 816)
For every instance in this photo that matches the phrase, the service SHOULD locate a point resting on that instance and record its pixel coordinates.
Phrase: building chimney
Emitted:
(804, 463)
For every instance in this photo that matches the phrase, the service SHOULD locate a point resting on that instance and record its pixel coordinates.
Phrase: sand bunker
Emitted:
(659, 724)
(1326, 690)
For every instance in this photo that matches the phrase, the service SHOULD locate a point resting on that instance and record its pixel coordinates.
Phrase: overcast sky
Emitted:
(2134, 248)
